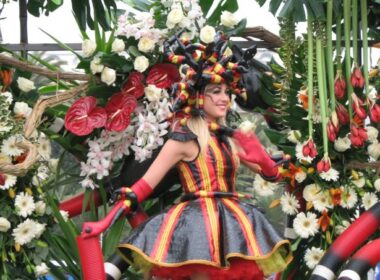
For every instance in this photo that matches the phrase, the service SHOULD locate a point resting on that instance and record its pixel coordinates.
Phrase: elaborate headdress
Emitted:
(204, 64)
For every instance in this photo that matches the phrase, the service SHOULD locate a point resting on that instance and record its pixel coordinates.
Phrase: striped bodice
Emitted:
(215, 171)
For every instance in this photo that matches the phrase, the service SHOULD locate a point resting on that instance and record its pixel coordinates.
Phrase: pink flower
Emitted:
(309, 149)
(324, 165)
(374, 113)
(357, 106)
(340, 86)
(342, 113)
(357, 79)
(358, 136)
(83, 116)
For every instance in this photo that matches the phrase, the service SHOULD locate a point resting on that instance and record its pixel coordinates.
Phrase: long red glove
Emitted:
(254, 152)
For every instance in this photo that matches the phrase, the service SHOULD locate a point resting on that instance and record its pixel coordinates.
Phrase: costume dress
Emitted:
(210, 230)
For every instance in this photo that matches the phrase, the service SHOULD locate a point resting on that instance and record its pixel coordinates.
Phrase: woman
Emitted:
(209, 234)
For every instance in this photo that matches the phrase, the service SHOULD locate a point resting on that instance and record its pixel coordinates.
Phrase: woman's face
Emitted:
(216, 101)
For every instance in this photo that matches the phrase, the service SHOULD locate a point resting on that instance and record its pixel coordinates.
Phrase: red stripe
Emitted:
(355, 235)
(208, 230)
(186, 184)
(211, 170)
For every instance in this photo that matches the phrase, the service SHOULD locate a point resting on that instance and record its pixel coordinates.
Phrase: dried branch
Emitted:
(4, 59)
(364, 165)
(49, 101)
(263, 34)
(22, 168)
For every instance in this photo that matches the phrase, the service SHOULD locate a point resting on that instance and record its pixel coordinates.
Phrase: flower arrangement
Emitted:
(131, 114)
(24, 215)
(330, 127)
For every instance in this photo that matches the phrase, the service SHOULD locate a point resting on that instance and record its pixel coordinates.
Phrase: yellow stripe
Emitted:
(214, 225)
(219, 165)
(246, 226)
(168, 227)
(205, 174)
(187, 175)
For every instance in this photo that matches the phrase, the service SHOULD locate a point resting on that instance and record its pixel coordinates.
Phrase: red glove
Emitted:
(254, 152)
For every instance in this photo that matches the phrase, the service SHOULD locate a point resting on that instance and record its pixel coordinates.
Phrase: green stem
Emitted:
(347, 16)
(310, 66)
(339, 39)
(355, 29)
(329, 54)
(323, 62)
(363, 7)
(321, 92)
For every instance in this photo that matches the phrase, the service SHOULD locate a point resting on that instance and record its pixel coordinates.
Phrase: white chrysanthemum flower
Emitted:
(372, 133)
(10, 181)
(349, 199)
(175, 16)
(38, 229)
(306, 225)
(342, 144)
(5, 225)
(339, 229)
(377, 184)
(300, 176)
(108, 76)
(43, 173)
(42, 269)
(24, 204)
(40, 207)
(369, 199)
(294, 136)
(141, 63)
(96, 66)
(228, 19)
(44, 147)
(25, 85)
(88, 47)
(374, 150)
(118, 45)
(24, 232)
(311, 192)
(207, 34)
(322, 202)
(22, 110)
(289, 204)
(312, 256)
(331, 175)
(299, 153)
(152, 93)
(8, 97)
(5, 127)
(10, 148)
(263, 187)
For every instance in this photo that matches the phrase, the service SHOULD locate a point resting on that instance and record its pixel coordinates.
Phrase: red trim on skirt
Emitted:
(239, 269)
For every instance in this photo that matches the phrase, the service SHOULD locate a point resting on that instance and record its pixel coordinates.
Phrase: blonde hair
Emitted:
(199, 127)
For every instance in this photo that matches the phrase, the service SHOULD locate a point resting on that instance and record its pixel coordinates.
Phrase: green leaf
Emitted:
(316, 9)
(50, 89)
(287, 9)
(34, 7)
(205, 6)
(79, 11)
(274, 136)
(238, 30)
(99, 14)
(61, 44)
(274, 5)
(113, 237)
(132, 50)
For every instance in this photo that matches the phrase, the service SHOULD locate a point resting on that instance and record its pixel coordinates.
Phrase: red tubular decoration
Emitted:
(369, 252)
(74, 205)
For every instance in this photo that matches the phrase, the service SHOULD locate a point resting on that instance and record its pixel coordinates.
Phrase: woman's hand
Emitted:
(254, 153)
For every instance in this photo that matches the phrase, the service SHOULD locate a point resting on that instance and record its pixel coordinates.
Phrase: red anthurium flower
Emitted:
(357, 79)
(358, 136)
(309, 149)
(357, 105)
(374, 113)
(324, 165)
(324, 221)
(342, 113)
(339, 85)
(134, 85)
(2, 179)
(119, 109)
(83, 116)
(163, 75)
